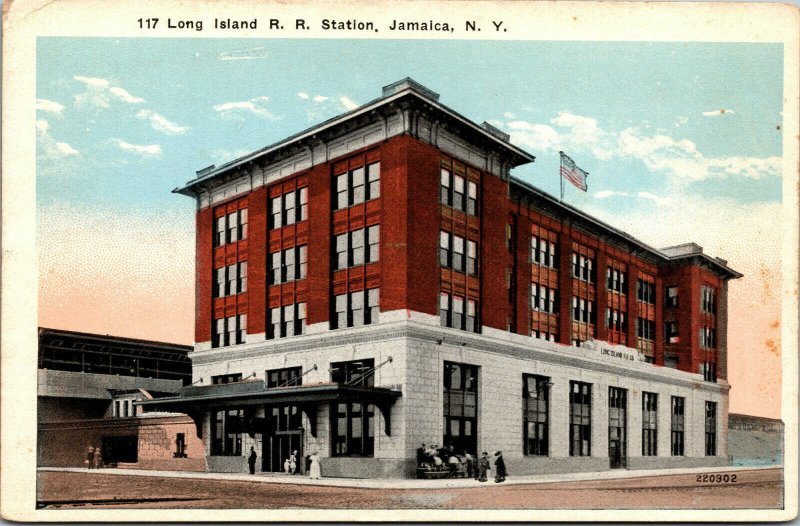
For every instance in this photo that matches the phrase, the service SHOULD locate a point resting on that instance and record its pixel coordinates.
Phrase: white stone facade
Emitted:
(418, 347)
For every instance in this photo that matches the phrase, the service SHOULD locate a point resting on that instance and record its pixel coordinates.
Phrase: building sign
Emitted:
(619, 352)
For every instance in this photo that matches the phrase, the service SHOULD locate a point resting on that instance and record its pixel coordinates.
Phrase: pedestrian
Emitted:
(89, 460)
(470, 462)
(97, 461)
(453, 463)
(315, 471)
(483, 467)
(251, 460)
(293, 462)
(499, 467)
(421, 455)
(286, 466)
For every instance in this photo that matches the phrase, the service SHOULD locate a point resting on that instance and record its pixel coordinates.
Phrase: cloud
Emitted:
(244, 54)
(508, 115)
(661, 201)
(124, 96)
(49, 106)
(679, 159)
(92, 81)
(348, 103)
(42, 126)
(51, 150)
(680, 121)
(256, 106)
(161, 123)
(604, 194)
(149, 149)
(717, 113)
(302, 95)
(99, 92)
(320, 98)
(66, 149)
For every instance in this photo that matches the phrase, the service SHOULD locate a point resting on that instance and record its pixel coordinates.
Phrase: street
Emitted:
(103, 489)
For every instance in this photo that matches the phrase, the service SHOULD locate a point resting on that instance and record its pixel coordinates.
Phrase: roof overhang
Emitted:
(513, 154)
(195, 400)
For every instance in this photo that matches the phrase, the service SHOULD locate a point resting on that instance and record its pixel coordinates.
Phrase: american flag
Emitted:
(571, 172)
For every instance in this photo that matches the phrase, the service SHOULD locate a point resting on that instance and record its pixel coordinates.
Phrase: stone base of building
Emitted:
(369, 468)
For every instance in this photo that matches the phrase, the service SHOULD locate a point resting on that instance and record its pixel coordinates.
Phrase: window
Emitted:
(226, 432)
(645, 329)
(288, 320)
(646, 291)
(286, 377)
(677, 425)
(580, 416)
(356, 308)
(582, 267)
(288, 265)
(582, 310)
(458, 193)
(671, 332)
(230, 228)
(617, 426)
(709, 371)
(707, 299)
(288, 208)
(616, 280)
(354, 187)
(353, 426)
(535, 400)
(374, 180)
(472, 258)
(452, 253)
(615, 320)
(711, 429)
(460, 412)
(707, 337)
(544, 298)
(226, 378)
(543, 252)
(671, 297)
(229, 331)
(472, 198)
(373, 243)
(351, 250)
(356, 372)
(241, 277)
(649, 424)
(458, 313)
(353, 423)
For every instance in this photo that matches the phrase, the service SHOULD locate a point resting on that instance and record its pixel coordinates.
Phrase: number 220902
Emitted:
(716, 477)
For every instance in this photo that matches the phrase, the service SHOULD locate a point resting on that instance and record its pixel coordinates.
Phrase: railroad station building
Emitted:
(382, 280)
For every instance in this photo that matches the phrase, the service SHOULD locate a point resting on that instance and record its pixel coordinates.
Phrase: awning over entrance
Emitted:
(195, 400)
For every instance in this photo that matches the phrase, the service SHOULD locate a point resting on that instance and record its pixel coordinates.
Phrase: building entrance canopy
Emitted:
(195, 400)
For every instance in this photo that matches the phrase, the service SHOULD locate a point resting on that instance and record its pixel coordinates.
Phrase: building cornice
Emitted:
(516, 346)
(402, 102)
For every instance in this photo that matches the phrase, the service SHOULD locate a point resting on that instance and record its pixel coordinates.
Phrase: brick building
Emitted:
(382, 280)
(87, 387)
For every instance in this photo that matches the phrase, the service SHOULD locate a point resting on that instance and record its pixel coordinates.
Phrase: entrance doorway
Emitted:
(617, 427)
(277, 449)
(282, 437)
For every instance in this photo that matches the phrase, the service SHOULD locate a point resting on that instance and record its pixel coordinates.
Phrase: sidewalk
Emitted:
(273, 478)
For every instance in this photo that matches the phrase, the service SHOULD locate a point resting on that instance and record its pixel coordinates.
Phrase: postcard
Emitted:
(399, 261)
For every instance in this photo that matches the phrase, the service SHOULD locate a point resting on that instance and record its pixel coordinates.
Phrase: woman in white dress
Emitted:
(314, 471)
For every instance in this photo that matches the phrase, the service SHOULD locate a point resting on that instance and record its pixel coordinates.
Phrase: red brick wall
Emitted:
(319, 244)
(258, 217)
(203, 266)
(495, 258)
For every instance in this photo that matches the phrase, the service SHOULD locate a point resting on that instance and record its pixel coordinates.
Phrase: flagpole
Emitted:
(560, 176)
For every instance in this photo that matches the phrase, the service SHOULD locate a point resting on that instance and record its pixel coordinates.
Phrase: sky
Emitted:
(682, 142)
